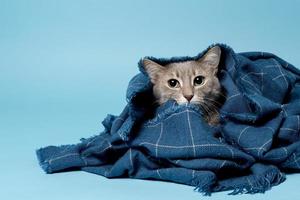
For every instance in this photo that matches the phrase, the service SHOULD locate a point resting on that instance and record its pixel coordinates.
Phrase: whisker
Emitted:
(212, 105)
(215, 106)
(208, 108)
(223, 95)
(215, 109)
(204, 108)
(213, 100)
(156, 102)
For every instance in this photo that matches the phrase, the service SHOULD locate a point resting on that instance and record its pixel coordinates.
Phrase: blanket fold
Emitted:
(256, 142)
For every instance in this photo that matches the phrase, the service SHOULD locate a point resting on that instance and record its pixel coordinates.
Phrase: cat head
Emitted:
(189, 81)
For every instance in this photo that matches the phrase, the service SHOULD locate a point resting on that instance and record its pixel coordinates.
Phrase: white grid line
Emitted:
(191, 133)
(161, 131)
(109, 145)
(283, 75)
(262, 82)
(241, 134)
(184, 146)
(298, 124)
(257, 73)
(277, 158)
(187, 146)
(272, 129)
(234, 95)
(270, 66)
(59, 157)
(263, 146)
(260, 107)
(280, 75)
(223, 163)
(119, 118)
(130, 157)
(232, 66)
(296, 160)
(66, 149)
(286, 151)
(151, 125)
(231, 151)
(249, 182)
(158, 174)
(173, 104)
(90, 142)
(289, 129)
(283, 110)
(251, 84)
(85, 161)
(253, 148)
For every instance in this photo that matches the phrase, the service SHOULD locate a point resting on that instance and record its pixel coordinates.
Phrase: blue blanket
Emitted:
(256, 143)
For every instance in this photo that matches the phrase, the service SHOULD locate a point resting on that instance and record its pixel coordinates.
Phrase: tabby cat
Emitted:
(192, 81)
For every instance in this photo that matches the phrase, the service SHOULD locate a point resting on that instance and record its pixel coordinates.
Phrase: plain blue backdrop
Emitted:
(61, 61)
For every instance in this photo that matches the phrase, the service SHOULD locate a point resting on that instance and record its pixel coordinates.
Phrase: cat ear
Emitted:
(152, 68)
(212, 58)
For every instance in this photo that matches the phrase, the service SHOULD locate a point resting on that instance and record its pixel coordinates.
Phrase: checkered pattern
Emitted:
(257, 140)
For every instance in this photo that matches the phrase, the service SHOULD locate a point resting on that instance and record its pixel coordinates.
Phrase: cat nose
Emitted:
(188, 97)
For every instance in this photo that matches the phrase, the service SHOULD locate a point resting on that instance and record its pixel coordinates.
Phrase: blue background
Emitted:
(65, 64)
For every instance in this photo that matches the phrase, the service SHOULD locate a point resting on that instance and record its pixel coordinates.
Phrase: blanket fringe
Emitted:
(204, 185)
(259, 184)
(255, 184)
(43, 164)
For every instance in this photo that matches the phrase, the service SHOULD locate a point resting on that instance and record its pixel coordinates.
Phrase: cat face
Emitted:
(189, 81)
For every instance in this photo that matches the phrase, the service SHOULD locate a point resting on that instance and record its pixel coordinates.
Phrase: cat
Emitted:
(192, 81)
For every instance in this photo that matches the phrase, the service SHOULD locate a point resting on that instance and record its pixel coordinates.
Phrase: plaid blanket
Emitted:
(256, 143)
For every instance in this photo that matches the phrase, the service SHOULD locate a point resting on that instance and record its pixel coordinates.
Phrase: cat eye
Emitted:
(199, 80)
(173, 83)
